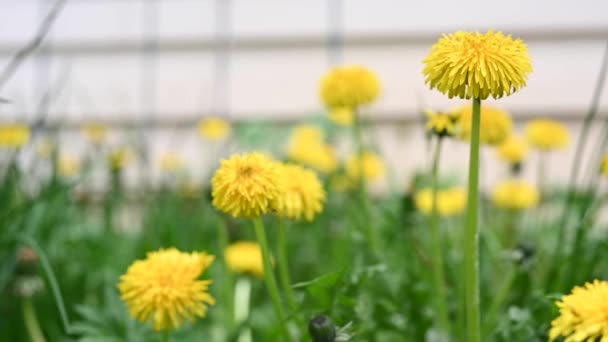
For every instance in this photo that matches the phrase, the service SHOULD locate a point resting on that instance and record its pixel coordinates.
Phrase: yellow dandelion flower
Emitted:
(495, 125)
(373, 166)
(475, 65)
(68, 165)
(246, 185)
(171, 162)
(442, 124)
(583, 314)
(341, 183)
(547, 134)
(214, 129)
(245, 257)
(349, 86)
(164, 288)
(342, 116)
(14, 135)
(95, 132)
(119, 158)
(604, 166)
(450, 202)
(516, 195)
(307, 146)
(301, 195)
(45, 148)
(513, 150)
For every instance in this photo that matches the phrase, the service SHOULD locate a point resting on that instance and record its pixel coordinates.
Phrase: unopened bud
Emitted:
(322, 329)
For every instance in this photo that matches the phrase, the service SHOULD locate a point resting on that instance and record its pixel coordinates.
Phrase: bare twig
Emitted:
(32, 45)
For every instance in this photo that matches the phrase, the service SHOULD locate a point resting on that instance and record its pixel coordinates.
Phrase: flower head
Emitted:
(246, 185)
(450, 201)
(342, 116)
(516, 195)
(307, 146)
(547, 134)
(45, 148)
(301, 195)
(95, 132)
(513, 150)
(372, 165)
(442, 124)
(214, 129)
(245, 257)
(495, 124)
(68, 165)
(583, 314)
(164, 288)
(171, 162)
(14, 135)
(475, 65)
(349, 86)
(604, 166)
(119, 157)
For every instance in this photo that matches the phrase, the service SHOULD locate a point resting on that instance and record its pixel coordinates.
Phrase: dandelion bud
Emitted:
(322, 329)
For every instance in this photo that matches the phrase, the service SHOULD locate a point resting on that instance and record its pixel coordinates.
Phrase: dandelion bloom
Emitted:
(246, 185)
(516, 195)
(342, 116)
(245, 257)
(475, 65)
(95, 132)
(45, 148)
(118, 158)
(450, 201)
(14, 135)
(495, 125)
(164, 288)
(349, 86)
(604, 166)
(547, 134)
(513, 150)
(301, 195)
(583, 314)
(171, 162)
(442, 124)
(68, 165)
(307, 146)
(371, 163)
(214, 129)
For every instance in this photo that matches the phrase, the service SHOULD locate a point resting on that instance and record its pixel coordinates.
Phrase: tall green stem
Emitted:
(166, 335)
(31, 321)
(471, 248)
(271, 283)
(284, 266)
(438, 274)
(372, 239)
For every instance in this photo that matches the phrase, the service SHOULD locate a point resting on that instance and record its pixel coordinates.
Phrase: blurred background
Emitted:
(151, 69)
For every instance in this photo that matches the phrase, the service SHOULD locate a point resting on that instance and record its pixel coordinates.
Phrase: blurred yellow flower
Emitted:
(95, 132)
(604, 166)
(495, 125)
(342, 116)
(341, 183)
(171, 162)
(513, 150)
(439, 123)
(14, 135)
(307, 146)
(246, 185)
(349, 86)
(452, 201)
(371, 163)
(190, 189)
(214, 129)
(119, 158)
(245, 257)
(516, 195)
(68, 165)
(583, 314)
(164, 288)
(475, 65)
(547, 134)
(45, 148)
(301, 193)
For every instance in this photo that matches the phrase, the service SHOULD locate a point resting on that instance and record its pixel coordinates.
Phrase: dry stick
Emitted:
(32, 45)
(581, 143)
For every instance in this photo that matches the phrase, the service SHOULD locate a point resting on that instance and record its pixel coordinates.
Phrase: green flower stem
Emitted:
(471, 246)
(228, 299)
(498, 303)
(31, 321)
(437, 254)
(284, 266)
(166, 336)
(372, 238)
(271, 283)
